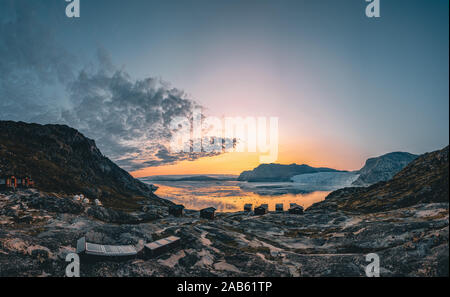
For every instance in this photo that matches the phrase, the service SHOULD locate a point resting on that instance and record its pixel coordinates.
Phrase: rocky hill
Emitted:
(60, 159)
(425, 180)
(383, 168)
(279, 172)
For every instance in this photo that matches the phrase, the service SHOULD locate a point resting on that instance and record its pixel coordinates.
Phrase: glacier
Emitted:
(324, 181)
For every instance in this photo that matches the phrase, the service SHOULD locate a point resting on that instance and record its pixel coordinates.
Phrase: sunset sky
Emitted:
(344, 87)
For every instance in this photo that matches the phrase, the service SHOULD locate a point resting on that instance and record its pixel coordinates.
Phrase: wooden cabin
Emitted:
(159, 247)
(207, 213)
(24, 182)
(93, 251)
(296, 209)
(260, 210)
(3, 183)
(248, 207)
(10, 182)
(279, 207)
(176, 210)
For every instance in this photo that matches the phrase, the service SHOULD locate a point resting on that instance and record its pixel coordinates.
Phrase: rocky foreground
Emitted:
(404, 220)
(38, 230)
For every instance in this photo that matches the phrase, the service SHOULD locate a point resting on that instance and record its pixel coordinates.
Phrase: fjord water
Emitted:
(231, 195)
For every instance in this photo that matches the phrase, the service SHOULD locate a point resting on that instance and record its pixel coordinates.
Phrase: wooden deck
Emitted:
(100, 250)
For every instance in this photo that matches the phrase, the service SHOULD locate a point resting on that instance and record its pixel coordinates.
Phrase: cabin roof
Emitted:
(105, 250)
(162, 242)
(208, 209)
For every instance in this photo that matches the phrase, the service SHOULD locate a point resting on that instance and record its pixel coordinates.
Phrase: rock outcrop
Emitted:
(383, 168)
(60, 159)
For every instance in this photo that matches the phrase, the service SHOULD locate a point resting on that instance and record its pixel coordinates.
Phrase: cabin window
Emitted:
(2, 181)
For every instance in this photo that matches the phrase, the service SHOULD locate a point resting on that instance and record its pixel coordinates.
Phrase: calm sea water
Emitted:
(229, 196)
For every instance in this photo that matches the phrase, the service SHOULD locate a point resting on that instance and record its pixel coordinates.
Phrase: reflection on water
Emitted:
(228, 196)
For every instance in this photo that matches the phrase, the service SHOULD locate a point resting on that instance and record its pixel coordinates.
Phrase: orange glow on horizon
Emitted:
(311, 154)
(228, 163)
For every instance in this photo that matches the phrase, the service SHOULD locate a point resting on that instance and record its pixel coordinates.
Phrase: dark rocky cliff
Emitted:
(383, 168)
(60, 159)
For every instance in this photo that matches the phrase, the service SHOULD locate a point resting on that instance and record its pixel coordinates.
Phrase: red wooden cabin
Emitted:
(13, 182)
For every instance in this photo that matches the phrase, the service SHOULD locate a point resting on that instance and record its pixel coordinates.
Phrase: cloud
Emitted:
(31, 63)
(129, 119)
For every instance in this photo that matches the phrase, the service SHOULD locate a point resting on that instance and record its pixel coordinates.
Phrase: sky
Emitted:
(343, 86)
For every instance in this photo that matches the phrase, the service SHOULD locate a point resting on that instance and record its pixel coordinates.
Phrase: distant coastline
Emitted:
(190, 177)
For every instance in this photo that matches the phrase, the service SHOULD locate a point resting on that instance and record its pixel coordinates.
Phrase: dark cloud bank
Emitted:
(129, 119)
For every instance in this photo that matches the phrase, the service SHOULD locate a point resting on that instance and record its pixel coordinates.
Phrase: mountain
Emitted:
(61, 159)
(424, 180)
(279, 172)
(377, 169)
(383, 168)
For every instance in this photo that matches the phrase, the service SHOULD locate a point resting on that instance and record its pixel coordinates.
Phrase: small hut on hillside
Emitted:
(176, 210)
(156, 248)
(248, 207)
(279, 207)
(296, 209)
(207, 213)
(260, 210)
